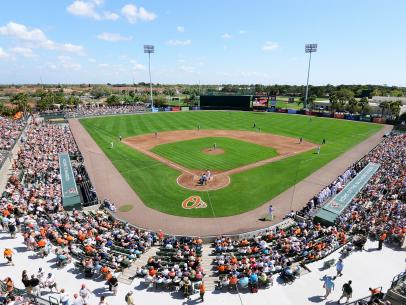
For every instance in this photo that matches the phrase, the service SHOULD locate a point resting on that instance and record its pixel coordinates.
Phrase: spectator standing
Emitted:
(9, 284)
(8, 255)
(103, 300)
(340, 267)
(64, 297)
(347, 292)
(113, 284)
(26, 281)
(77, 300)
(12, 227)
(129, 298)
(202, 290)
(50, 282)
(328, 285)
(35, 285)
(381, 240)
(84, 293)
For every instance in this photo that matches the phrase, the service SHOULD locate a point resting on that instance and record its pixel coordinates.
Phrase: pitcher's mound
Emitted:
(211, 151)
(190, 181)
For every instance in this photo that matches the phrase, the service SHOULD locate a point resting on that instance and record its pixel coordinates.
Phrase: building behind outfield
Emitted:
(226, 102)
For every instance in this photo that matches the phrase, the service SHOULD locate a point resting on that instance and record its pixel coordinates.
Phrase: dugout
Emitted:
(226, 102)
(70, 194)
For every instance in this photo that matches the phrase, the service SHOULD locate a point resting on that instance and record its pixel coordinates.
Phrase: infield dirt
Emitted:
(284, 146)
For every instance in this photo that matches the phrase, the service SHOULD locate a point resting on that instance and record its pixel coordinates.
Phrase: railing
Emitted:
(365, 300)
(34, 299)
(401, 277)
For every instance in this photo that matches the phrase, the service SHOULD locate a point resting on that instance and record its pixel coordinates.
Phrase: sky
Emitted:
(210, 41)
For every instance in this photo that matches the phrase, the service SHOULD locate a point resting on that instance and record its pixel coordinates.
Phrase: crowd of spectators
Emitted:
(32, 201)
(102, 245)
(176, 265)
(10, 131)
(103, 110)
(377, 212)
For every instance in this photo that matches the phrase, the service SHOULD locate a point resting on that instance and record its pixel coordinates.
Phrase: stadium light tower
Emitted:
(309, 48)
(149, 49)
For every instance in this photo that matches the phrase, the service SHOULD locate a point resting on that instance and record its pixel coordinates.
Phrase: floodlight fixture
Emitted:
(309, 48)
(150, 49)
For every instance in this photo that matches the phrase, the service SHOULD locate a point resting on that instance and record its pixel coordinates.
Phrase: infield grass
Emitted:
(237, 153)
(155, 182)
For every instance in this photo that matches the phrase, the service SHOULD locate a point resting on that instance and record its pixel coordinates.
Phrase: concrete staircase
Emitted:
(128, 275)
(207, 260)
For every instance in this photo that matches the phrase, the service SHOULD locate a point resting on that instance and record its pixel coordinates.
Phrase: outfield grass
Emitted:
(156, 183)
(236, 153)
(294, 105)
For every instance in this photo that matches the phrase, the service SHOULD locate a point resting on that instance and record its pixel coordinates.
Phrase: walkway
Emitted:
(128, 275)
(306, 290)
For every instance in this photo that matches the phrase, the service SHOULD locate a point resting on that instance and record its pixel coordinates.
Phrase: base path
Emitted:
(110, 184)
(284, 146)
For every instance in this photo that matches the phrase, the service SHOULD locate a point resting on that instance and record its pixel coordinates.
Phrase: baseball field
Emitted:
(251, 165)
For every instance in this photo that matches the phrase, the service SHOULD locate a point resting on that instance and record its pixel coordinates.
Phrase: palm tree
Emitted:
(394, 108)
(384, 106)
(310, 100)
(363, 103)
(333, 101)
(352, 105)
(113, 100)
(21, 100)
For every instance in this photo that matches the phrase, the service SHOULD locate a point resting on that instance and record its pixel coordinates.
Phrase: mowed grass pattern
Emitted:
(156, 184)
(237, 153)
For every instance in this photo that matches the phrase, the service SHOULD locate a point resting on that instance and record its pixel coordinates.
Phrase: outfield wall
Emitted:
(226, 102)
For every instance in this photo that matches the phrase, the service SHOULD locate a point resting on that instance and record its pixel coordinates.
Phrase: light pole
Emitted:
(309, 48)
(149, 49)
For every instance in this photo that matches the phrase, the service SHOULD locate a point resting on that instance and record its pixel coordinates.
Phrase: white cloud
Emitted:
(25, 52)
(52, 66)
(113, 37)
(188, 69)
(104, 65)
(89, 9)
(36, 38)
(133, 13)
(68, 47)
(66, 62)
(3, 54)
(226, 36)
(110, 16)
(97, 2)
(180, 42)
(270, 46)
(180, 29)
(137, 66)
(83, 8)
(20, 31)
(91, 60)
(241, 32)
